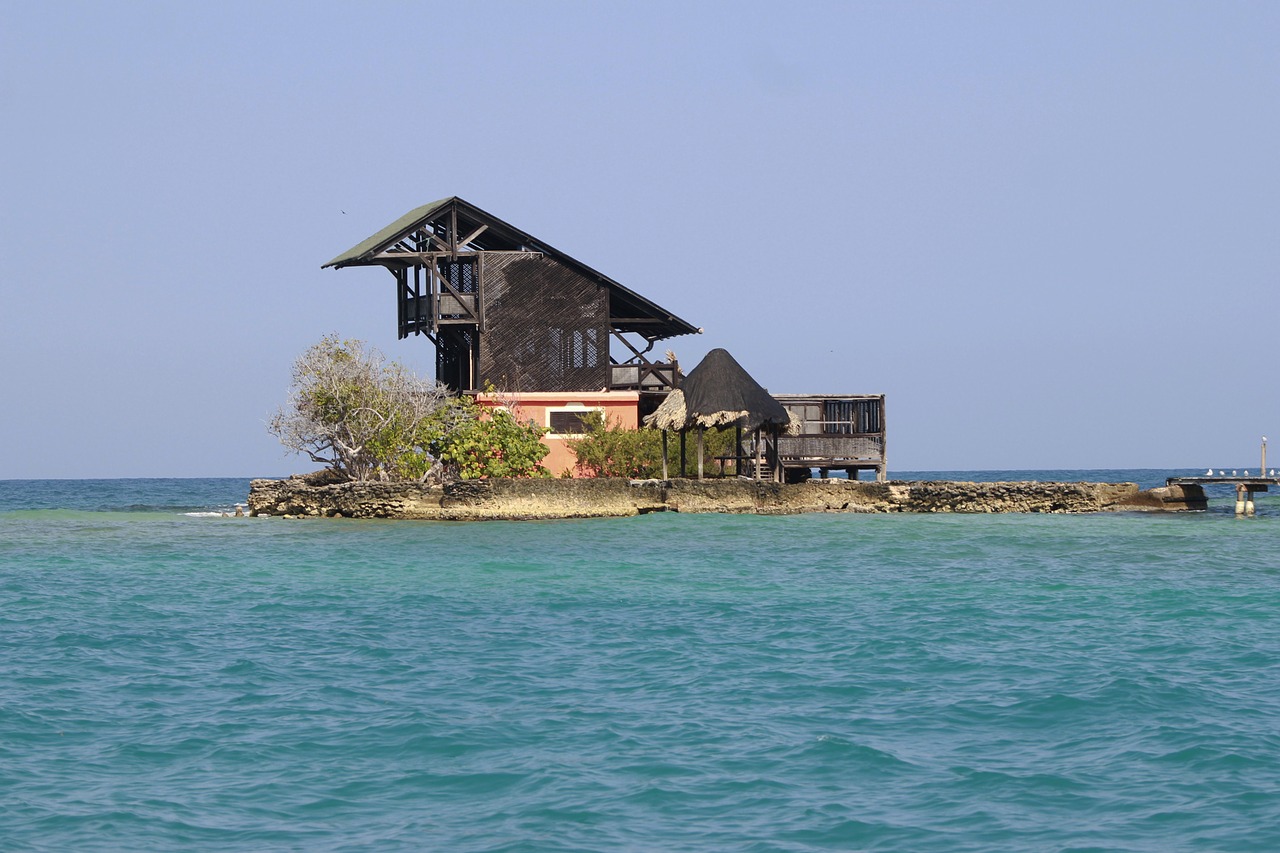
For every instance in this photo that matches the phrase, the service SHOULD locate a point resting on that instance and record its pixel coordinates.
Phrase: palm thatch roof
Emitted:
(719, 393)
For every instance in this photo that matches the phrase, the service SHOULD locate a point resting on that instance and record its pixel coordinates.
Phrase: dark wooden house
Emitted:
(504, 308)
(560, 339)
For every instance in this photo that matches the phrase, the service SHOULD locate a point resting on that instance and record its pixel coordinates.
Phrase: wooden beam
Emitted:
(474, 234)
(420, 257)
(626, 343)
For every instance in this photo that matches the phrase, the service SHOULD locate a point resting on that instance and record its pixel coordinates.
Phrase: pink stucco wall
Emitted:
(620, 407)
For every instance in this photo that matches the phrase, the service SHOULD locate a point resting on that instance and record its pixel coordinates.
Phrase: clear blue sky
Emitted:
(1048, 231)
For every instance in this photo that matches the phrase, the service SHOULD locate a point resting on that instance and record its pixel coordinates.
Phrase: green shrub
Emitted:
(608, 449)
(367, 418)
(477, 442)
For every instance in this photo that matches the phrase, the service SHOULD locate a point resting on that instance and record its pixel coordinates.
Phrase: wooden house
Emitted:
(557, 339)
(507, 309)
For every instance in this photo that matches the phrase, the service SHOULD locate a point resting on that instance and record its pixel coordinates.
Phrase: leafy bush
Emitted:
(367, 418)
(608, 449)
(488, 443)
(351, 409)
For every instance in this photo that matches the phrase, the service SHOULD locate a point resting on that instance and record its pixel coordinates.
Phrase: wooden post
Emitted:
(664, 455)
(683, 465)
(737, 450)
(700, 431)
(756, 441)
(779, 473)
(771, 451)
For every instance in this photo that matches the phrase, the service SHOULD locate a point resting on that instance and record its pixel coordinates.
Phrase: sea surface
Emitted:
(171, 679)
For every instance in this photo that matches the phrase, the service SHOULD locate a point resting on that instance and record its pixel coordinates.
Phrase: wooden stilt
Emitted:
(755, 438)
(737, 450)
(664, 455)
(700, 431)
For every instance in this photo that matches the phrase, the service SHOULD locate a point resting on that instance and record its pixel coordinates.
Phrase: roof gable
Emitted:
(478, 230)
(406, 224)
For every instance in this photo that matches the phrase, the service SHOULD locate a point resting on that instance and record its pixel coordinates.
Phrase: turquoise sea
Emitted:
(174, 680)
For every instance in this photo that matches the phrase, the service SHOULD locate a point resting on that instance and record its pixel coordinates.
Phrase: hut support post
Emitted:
(774, 458)
(756, 441)
(683, 466)
(737, 450)
(664, 455)
(700, 431)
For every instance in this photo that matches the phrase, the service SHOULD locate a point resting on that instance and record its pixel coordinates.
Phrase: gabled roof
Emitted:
(370, 246)
(628, 310)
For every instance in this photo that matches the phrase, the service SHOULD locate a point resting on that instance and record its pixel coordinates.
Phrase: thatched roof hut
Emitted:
(719, 393)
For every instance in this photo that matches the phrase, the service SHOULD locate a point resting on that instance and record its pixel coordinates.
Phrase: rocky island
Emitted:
(315, 496)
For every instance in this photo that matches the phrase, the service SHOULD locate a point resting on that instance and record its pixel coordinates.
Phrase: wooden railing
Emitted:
(644, 376)
(860, 448)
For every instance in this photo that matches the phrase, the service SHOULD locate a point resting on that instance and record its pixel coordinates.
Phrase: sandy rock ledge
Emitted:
(309, 496)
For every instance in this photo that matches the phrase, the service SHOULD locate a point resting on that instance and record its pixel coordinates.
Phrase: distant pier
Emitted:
(1246, 486)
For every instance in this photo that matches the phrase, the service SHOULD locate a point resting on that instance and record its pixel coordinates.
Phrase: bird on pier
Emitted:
(1246, 472)
(1233, 472)
(1209, 473)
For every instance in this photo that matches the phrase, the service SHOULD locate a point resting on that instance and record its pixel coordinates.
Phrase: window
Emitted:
(569, 421)
(849, 417)
(577, 348)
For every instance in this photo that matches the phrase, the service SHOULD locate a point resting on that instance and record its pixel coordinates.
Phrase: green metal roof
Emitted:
(629, 311)
(390, 234)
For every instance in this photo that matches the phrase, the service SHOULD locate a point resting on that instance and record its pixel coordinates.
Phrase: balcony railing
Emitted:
(831, 448)
(837, 431)
(644, 376)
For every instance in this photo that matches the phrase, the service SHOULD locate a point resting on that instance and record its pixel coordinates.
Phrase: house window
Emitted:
(569, 421)
(577, 348)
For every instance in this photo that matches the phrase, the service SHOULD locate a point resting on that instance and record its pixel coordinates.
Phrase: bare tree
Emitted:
(351, 409)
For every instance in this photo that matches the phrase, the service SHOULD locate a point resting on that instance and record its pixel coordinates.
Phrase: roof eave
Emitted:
(368, 247)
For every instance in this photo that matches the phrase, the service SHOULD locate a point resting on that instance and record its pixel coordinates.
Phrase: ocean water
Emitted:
(174, 680)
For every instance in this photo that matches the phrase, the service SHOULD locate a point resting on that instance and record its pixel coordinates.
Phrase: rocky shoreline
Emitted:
(473, 500)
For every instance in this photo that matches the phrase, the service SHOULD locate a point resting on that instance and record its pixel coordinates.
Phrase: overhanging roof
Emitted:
(628, 310)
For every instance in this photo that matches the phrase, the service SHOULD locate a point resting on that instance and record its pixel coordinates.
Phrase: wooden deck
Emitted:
(839, 432)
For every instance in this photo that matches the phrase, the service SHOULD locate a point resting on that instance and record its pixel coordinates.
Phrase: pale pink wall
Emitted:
(620, 407)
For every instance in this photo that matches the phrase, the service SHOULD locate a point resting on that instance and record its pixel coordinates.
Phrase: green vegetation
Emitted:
(610, 450)
(492, 446)
(371, 419)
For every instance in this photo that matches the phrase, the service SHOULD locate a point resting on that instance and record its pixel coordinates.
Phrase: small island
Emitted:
(315, 496)
(546, 403)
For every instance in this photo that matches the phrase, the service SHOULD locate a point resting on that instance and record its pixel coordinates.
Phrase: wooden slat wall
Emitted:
(546, 327)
